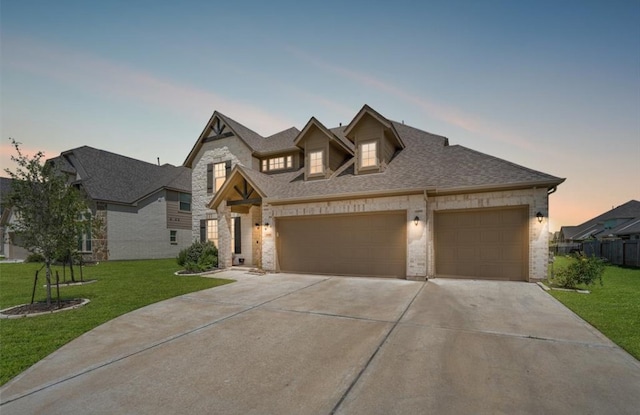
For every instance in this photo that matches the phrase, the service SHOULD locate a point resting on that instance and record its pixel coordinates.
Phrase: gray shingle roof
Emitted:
(630, 227)
(110, 177)
(595, 227)
(427, 162)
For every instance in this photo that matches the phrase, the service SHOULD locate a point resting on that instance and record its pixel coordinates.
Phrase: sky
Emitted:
(553, 86)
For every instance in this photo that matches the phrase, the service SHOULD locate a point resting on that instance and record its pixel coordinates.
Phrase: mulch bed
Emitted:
(42, 307)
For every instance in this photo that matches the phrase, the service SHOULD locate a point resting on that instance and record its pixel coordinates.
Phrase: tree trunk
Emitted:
(48, 263)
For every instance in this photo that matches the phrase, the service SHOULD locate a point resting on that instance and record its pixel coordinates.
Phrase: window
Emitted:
(316, 162)
(212, 231)
(185, 202)
(368, 154)
(277, 163)
(220, 174)
(84, 237)
(173, 237)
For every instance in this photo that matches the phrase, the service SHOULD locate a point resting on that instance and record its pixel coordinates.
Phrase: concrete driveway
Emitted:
(297, 344)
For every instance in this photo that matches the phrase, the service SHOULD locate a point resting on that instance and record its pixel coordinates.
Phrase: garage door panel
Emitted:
(362, 244)
(482, 243)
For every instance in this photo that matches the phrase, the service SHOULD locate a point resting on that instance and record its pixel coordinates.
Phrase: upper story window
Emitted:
(316, 162)
(369, 154)
(219, 174)
(185, 202)
(277, 163)
(216, 175)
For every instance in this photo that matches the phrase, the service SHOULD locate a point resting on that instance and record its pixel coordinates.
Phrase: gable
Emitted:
(239, 191)
(220, 127)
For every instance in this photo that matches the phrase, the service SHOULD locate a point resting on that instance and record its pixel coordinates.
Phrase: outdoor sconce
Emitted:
(257, 225)
(540, 216)
(416, 220)
(266, 226)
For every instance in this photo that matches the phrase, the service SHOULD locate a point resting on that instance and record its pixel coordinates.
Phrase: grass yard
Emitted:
(613, 308)
(122, 286)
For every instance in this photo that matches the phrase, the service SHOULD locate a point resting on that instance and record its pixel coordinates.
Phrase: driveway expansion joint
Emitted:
(375, 353)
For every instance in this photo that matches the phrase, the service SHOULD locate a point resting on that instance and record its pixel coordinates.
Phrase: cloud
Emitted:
(113, 79)
(452, 116)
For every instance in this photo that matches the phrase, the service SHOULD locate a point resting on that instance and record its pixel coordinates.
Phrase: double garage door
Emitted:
(359, 245)
(482, 243)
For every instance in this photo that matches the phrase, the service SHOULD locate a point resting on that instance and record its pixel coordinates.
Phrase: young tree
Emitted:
(47, 209)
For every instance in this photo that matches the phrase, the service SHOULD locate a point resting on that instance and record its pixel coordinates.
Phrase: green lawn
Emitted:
(613, 308)
(122, 286)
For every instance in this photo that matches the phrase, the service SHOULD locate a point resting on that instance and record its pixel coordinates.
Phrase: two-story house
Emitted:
(372, 198)
(139, 210)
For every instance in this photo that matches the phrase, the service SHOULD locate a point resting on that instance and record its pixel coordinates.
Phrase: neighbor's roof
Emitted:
(628, 228)
(595, 226)
(427, 163)
(110, 177)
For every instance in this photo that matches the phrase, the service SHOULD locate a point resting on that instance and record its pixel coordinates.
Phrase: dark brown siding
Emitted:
(176, 219)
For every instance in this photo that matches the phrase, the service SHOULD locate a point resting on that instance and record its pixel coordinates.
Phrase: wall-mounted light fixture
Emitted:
(416, 220)
(540, 216)
(257, 225)
(266, 226)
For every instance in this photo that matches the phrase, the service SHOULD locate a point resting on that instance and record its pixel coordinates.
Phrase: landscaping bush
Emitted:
(34, 257)
(581, 270)
(199, 257)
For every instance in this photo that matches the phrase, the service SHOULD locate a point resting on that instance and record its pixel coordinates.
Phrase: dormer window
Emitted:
(277, 163)
(316, 162)
(369, 154)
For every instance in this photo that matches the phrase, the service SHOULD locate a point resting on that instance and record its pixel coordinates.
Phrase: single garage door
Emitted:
(360, 245)
(482, 243)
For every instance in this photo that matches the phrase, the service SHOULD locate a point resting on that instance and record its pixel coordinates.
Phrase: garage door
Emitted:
(360, 245)
(482, 243)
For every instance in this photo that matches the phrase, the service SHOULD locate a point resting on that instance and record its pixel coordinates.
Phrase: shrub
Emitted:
(199, 257)
(581, 270)
(34, 257)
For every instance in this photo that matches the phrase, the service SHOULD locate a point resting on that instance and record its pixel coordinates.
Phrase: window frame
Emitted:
(219, 175)
(181, 202)
(173, 237)
(278, 163)
(211, 231)
(375, 159)
(313, 159)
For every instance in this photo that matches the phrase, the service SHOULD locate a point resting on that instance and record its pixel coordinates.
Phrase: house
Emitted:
(621, 222)
(9, 241)
(139, 210)
(374, 197)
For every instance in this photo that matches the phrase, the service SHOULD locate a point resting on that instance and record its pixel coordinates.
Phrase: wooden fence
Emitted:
(617, 252)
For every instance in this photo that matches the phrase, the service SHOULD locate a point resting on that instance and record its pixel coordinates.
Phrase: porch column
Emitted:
(225, 258)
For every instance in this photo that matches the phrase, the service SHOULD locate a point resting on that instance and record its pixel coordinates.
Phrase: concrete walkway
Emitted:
(297, 344)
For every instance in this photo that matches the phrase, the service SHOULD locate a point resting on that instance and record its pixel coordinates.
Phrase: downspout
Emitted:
(552, 190)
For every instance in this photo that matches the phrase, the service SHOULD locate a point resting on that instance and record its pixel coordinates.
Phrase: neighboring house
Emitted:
(372, 198)
(138, 210)
(622, 222)
(9, 247)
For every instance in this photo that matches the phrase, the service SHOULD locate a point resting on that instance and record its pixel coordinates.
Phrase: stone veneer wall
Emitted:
(217, 151)
(420, 241)
(536, 199)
